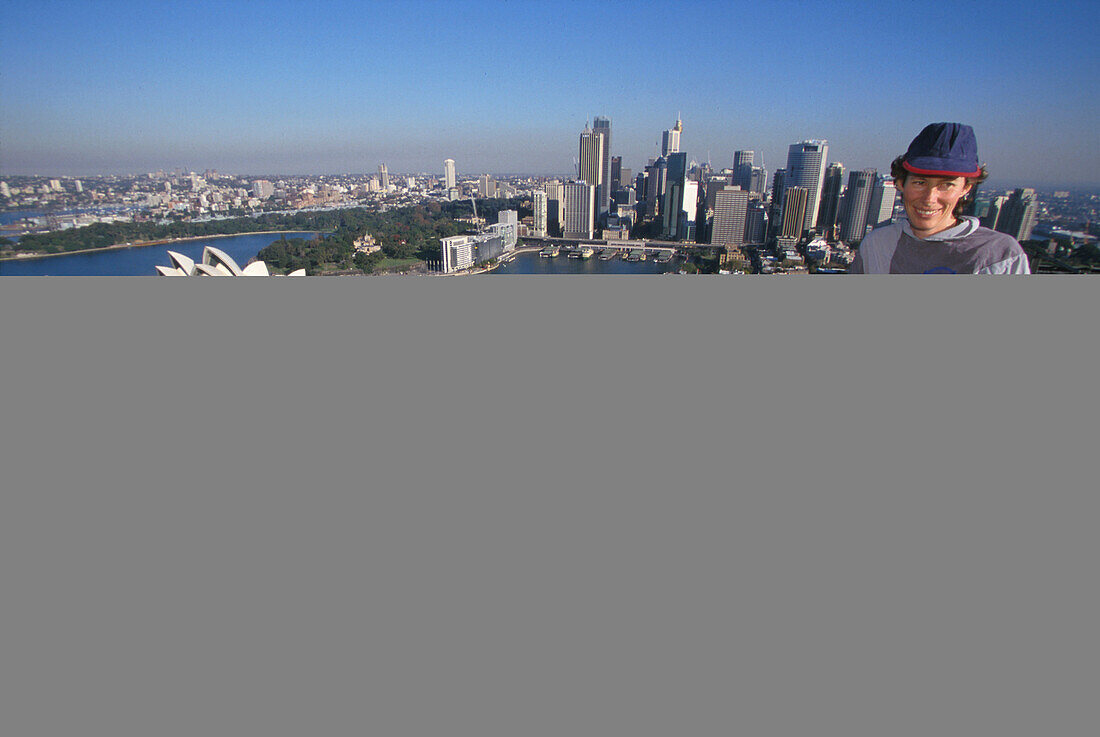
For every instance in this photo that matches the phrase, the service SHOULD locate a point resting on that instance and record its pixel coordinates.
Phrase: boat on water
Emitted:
(607, 254)
(549, 252)
(664, 257)
(636, 255)
(587, 252)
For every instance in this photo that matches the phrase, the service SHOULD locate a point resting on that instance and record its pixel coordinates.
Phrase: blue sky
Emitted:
(339, 87)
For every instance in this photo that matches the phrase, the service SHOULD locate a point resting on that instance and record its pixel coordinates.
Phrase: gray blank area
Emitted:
(548, 506)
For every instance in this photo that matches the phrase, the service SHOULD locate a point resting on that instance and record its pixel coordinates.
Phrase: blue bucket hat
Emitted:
(943, 150)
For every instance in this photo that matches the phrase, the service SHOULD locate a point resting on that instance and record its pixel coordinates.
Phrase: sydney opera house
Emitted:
(215, 262)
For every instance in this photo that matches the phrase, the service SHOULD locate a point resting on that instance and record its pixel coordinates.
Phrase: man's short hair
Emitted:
(900, 173)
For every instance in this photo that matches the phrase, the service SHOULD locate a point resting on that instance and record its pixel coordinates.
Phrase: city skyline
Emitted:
(334, 88)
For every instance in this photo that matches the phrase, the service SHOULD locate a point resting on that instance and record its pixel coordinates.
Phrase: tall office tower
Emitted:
(602, 126)
(580, 210)
(384, 176)
(880, 210)
(731, 204)
(670, 139)
(759, 183)
(756, 222)
(779, 183)
(617, 173)
(5, 191)
(742, 169)
(856, 201)
(555, 206)
(796, 200)
(486, 186)
(831, 189)
(673, 202)
(994, 212)
(689, 209)
(806, 168)
(449, 173)
(591, 160)
(538, 202)
(1017, 217)
(656, 177)
(79, 186)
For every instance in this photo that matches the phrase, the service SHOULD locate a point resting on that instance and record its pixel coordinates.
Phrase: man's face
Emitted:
(930, 201)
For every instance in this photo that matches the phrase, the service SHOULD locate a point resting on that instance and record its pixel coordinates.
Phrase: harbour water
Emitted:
(140, 260)
(529, 262)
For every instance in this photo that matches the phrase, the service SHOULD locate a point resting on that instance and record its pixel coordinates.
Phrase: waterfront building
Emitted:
(731, 204)
(458, 252)
(857, 200)
(806, 169)
(555, 206)
(580, 210)
(538, 202)
(449, 174)
(795, 203)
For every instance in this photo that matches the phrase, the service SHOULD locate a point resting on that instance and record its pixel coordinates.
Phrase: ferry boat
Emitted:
(664, 257)
(549, 252)
(587, 252)
(607, 254)
(636, 255)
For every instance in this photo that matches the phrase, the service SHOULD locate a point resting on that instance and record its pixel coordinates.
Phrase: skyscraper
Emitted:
(742, 169)
(591, 158)
(617, 173)
(795, 204)
(538, 201)
(602, 126)
(449, 173)
(856, 201)
(731, 205)
(1017, 216)
(580, 210)
(806, 168)
(673, 202)
(670, 139)
(384, 176)
(880, 210)
(555, 206)
(830, 197)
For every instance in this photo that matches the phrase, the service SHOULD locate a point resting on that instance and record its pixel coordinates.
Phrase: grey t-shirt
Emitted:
(966, 248)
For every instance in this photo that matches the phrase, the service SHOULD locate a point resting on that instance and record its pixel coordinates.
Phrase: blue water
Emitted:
(140, 260)
(529, 262)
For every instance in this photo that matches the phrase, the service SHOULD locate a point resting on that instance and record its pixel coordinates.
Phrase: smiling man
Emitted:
(937, 177)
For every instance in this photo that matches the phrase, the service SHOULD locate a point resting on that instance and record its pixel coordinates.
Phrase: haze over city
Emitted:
(505, 87)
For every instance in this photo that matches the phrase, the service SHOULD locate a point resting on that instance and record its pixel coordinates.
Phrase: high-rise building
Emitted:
(449, 173)
(591, 158)
(384, 176)
(617, 173)
(555, 206)
(486, 186)
(756, 222)
(1017, 216)
(857, 198)
(538, 202)
(656, 178)
(670, 139)
(742, 169)
(602, 126)
(806, 168)
(831, 190)
(880, 210)
(731, 204)
(580, 210)
(795, 203)
(673, 202)
(262, 189)
(994, 211)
